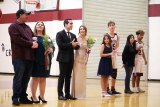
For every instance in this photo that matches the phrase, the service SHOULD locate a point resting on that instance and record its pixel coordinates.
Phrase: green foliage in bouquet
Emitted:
(90, 41)
(47, 42)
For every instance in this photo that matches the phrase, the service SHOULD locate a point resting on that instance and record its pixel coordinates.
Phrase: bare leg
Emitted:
(108, 86)
(133, 81)
(137, 81)
(113, 83)
(34, 85)
(42, 87)
(104, 83)
(138, 84)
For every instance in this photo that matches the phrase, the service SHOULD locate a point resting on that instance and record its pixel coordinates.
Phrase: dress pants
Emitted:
(64, 76)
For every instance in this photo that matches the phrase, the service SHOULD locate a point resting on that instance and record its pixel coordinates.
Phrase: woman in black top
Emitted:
(128, 57)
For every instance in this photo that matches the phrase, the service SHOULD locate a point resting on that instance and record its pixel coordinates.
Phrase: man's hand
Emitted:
(35, 45)
(74, 44)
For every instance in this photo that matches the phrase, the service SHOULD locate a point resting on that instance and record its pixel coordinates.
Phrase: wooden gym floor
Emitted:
(151, 98)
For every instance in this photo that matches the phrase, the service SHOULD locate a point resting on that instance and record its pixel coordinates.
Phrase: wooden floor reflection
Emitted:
(148, 99)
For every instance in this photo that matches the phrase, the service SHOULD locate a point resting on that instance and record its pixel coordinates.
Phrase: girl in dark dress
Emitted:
(105, 64)
(42, 64)
(128, 57)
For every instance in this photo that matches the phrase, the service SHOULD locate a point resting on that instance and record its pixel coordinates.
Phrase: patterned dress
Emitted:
(79, 70)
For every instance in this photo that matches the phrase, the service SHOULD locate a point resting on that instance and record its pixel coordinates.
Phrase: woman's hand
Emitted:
(49, 50)
(123, 65)
(88, 50)
(111, 53)
(145, 62)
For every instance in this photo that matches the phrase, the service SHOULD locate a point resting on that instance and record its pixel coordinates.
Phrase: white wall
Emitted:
(9, 6)
(5, 59)
(52, 27)
(70, 4)
(154, 1)
(128, 17)
(154, 51)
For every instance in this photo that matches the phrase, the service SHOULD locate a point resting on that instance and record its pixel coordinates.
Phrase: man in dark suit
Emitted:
(66, 42)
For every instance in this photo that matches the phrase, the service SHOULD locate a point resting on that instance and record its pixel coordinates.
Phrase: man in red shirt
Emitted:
(22, 47)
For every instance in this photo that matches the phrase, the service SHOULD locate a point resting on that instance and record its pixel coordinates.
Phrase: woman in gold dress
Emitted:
(79, 69)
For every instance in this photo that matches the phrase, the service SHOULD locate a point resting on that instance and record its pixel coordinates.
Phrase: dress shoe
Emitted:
(15, 102)
(43, 101)
(128, 92)
(33, 101)
(70, 97)
(61, 98)
(25, 101)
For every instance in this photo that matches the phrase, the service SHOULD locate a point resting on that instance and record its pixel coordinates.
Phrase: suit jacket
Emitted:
(65, 48)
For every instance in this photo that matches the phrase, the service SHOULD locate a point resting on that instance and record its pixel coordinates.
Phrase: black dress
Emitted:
(105, 64)
(39, 63)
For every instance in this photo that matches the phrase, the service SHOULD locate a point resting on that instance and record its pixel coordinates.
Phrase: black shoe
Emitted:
(43, 101)
(115, 92)
(128, 92)
(109, 92)
(70, 97)
(15, 102)
(34, 101)
(61, 98)
(25, 101)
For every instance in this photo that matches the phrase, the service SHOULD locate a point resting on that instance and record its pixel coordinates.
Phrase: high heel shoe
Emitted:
(43, 101)
(34, 101)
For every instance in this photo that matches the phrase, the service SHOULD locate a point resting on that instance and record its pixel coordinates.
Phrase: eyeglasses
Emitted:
(40, 25)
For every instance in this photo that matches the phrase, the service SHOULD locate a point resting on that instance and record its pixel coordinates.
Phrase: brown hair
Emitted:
(85, 28)
(44, 30)
(111, 22)
(110, 41)
(140, 32)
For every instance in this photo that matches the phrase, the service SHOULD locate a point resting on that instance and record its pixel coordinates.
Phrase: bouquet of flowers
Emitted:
(48, 43)
(91, 41)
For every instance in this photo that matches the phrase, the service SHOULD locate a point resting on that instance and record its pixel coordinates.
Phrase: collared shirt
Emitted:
(21, 41)
(68, 33)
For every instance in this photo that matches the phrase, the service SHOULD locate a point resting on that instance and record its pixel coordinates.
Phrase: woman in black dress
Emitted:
(105, 64)
(42, 64)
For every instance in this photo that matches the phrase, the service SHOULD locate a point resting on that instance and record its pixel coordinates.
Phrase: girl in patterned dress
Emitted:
(139, 61)
(105, 64)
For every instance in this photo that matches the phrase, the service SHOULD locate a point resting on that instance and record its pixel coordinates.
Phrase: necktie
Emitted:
(68, 34)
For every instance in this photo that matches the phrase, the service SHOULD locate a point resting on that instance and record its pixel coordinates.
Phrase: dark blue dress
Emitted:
(39, 63)
(105, 64)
